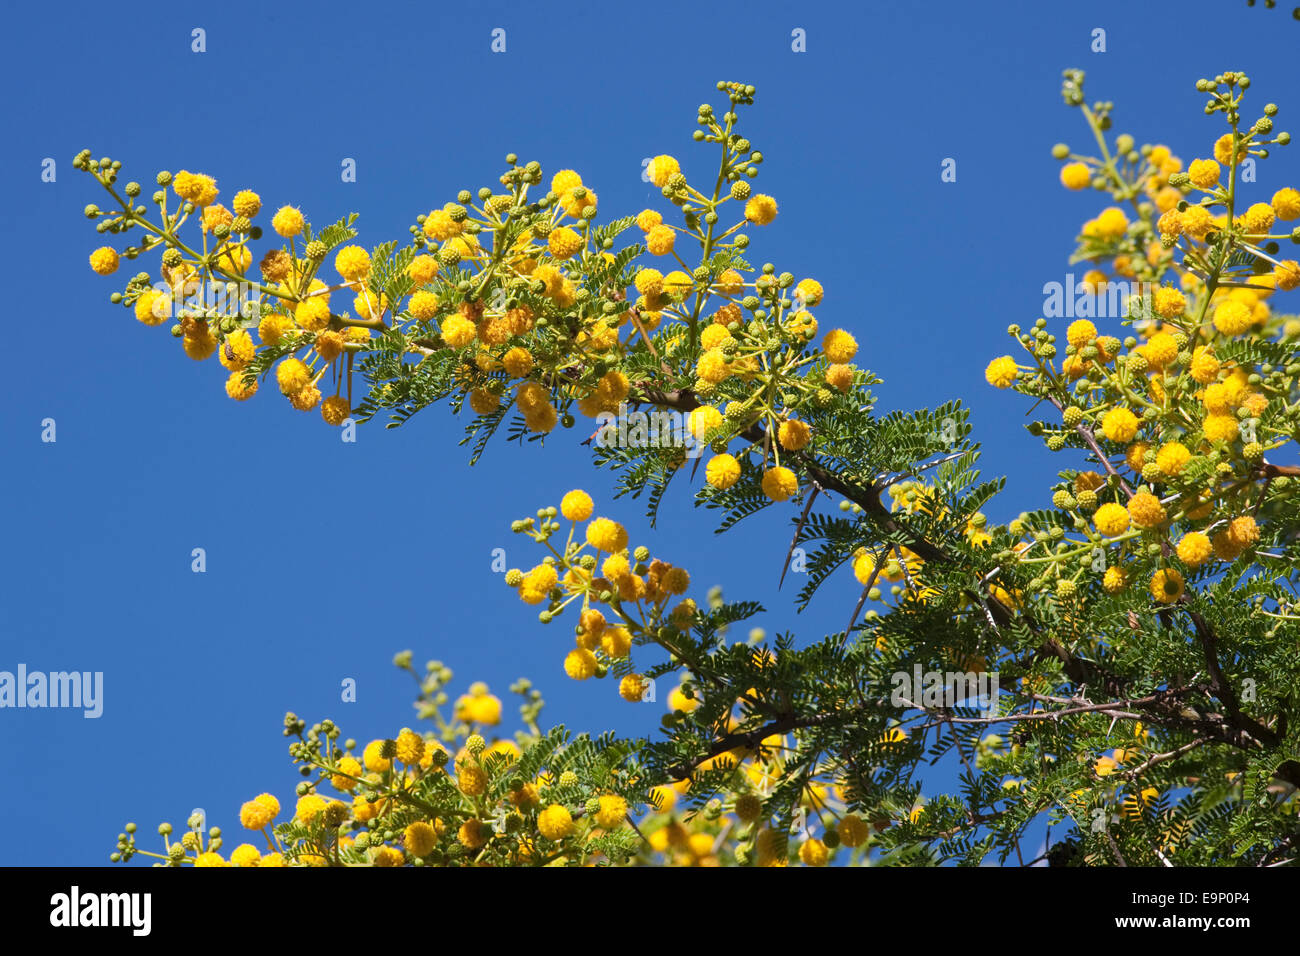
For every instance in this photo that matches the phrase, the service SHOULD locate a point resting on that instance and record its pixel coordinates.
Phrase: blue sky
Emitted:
(325, 558)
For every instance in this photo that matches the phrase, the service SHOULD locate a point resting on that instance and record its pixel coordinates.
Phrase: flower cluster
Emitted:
(1182, 414)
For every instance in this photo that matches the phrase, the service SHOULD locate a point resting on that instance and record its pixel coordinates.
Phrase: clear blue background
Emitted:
(323, 558)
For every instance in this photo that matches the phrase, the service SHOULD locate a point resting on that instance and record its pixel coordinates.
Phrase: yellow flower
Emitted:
(839, 346)
(814, 853)
(1001, 372)
(1075, 176)
(1286, 204)
(606, 535)
(1111, 519)
(780, 483)
(794, 434)
(420, 838)
(576, 505)
(809, 290)
(104, 260)
(612, 812)
(374, 758)
(555, 822)
(352, 263)
(1172, 458)
(1167, 585)
(662, 169)
(258, 813)
(1203, 173)
(564, 242)
(580, 663)
(660, 240)
(1145, 510)
(1111, 223)
(1119, 425)
(1194, 549)
(1080, 333)
(287, 221)
(761, 209)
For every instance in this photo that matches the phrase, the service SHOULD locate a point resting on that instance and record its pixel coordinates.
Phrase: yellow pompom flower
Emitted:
(647, 219)
(1172, 458)
(1111, 223)
(649, 282)
(1220, 427)
(237, 351)
(201, 345)
(246, 203)
(780, 483)
(632, 688)
(677, 700)
(852, 830)
(1243, 532)
(1167, 585)
(245, 855)
(439, 225)
(580, 664)
(1111, 519)
(722, 471)
(1203, 173)
(1258, 219)
(1205, 367)
(612, 812)
(661, 169)
(1160, 351)
(703, 420)
(348, 777)
(104, 260)
(564, 242)
(794, 434)
(312, 314)
(374, 758)
(292, 376)
(238, 389)
(458, 331)
(1287, 274)
(1145, 510)
(352, 263)
(660, 240)
(1119, 425)
(309, 807)
(420, 838)
(288, 221)
(606, 535)
(153, 307)
(473, 834)
(1114, 580)
(814, 853)
(258, 813)
(1080, 333)
(839, 346)
(210, 859)
(1194, 549)
(761, 209)
(617, 641)
(1286, 204)
(1075, 176)
(555, 822)
(1001, 372)
(576, 505)
(809, 291)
